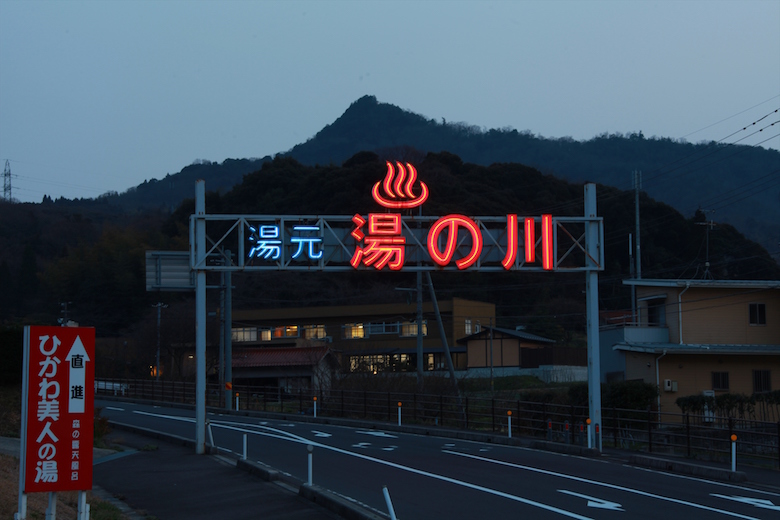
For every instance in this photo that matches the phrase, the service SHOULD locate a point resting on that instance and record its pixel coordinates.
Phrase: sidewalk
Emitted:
(164, 481)
(167, 482)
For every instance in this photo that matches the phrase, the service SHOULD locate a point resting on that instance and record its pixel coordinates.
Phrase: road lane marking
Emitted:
(603, 484)
(321, 434)
(361, 445)
(595, 502)
(283, 435)
(758, 502)
(113, 408)
(162, 416)
(711, 482)
(390, 448)
(377, 434)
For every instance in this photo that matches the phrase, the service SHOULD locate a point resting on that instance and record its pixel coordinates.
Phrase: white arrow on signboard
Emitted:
(77, 376)
(758, 502)
(595, 502)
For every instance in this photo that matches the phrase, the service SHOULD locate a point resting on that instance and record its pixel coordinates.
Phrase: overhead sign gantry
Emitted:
(393, 239)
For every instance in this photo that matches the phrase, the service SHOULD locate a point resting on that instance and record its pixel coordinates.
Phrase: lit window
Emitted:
(761, 381)
(468, 326)
(288, 331)
(382, 328)
(410, 328)
(354, 331)
(265, 335)
(244, 334)
(314, 331)
(758, 314)
(720, 381)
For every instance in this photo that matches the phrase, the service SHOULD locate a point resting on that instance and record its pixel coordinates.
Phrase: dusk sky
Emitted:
(100, 96)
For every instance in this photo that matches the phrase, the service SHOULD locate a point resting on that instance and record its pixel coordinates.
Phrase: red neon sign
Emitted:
(384, 244)
(453, 223)
(548, 259)
(511, 241)
(399, 188)
(530, 240)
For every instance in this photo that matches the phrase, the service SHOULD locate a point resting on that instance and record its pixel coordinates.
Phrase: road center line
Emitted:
(603, 484)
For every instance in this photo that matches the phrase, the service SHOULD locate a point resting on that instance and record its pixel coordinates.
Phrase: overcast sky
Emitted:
(101, 95)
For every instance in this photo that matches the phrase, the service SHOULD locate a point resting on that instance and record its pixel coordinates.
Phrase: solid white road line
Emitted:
(603, 484)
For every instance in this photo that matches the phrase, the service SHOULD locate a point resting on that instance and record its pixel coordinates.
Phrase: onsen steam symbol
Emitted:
(399, 188)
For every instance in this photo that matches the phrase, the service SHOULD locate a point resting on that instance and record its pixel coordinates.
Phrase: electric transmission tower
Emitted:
(7, 181)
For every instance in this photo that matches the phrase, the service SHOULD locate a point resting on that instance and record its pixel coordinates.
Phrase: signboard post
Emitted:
(58, 384)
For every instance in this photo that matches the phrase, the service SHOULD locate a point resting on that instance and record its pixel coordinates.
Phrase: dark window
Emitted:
(761, 381)
(720, 380)
(758, 314)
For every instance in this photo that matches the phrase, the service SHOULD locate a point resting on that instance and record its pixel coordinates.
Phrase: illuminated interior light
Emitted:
(511, 241)
(548, 258)
(530, 240)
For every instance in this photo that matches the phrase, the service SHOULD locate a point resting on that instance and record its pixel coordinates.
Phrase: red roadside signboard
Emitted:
(58, 408)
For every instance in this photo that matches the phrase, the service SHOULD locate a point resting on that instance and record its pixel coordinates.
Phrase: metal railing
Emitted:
(702, 437)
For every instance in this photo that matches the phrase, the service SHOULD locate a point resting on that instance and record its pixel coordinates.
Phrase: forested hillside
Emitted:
(51, 254)
(730, 183)
(734, 184)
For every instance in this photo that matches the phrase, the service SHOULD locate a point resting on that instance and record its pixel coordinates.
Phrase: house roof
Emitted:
(278, 356)
(676, 348)
(718, 284)
(519, 334)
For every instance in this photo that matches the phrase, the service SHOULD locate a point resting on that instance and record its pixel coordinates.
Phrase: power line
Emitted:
(730, 117)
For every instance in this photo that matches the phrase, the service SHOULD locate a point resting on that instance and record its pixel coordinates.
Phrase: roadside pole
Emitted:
(592, 308)
(200, 317)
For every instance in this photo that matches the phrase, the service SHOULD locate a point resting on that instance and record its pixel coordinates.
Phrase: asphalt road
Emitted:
(430, 477)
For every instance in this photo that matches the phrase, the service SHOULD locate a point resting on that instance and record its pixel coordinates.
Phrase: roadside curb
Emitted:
(567, 449)
(342, 507)
(322, 497)
(687, 468)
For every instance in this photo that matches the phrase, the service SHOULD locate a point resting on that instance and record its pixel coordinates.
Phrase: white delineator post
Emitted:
(399, 413)
(733, 453)
(310, 449)
(590, 438)
(315, 406)
(509, 423)
(389, 503)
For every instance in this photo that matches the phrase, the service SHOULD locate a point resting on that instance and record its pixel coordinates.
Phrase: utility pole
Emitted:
(159, 306)
(491, 356)
(64, 311)
(7, 181)
(710, 224)
(637, 186)
(634, 321)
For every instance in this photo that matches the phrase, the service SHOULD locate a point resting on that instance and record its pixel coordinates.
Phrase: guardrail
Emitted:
(702, 437)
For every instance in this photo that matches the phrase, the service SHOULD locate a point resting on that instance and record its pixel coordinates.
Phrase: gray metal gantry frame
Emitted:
(577, 245)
